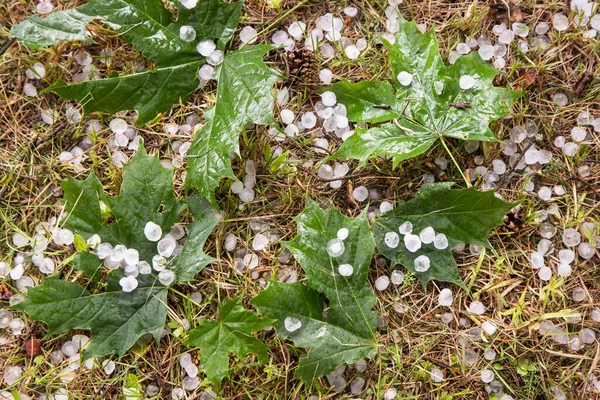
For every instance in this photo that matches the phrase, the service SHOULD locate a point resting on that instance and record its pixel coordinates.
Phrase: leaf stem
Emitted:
(455, 162)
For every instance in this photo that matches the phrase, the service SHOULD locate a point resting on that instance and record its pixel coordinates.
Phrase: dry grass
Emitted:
(411, 331)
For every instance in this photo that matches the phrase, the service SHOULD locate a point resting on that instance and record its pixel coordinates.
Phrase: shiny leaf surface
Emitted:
(230, 333)
(347, 333)
(463, 215)
(244, 95)
(431, 106)
(148, 25)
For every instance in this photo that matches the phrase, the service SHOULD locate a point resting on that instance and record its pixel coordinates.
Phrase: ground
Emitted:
(412, 336)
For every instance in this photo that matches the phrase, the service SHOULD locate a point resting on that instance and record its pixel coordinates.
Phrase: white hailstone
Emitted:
(118, 159)
(17, 272)
(445, 298)
(566, 256)
(247, 195)
(296, 29)
(47, 266)
(564, 270)
(104, 250)
(189, 4)
(436, 375)
(560, 22)
(352, 52)
(506, 37)
(335, 247)
(560, 99)
(390, 394)
(166, 277)
(542, 28)
(427, 235)
(236, 187)
(29, 90)
(152, 231)
(259, 242)
(595, 315)
(63, 237)
(283, 96)
(559, 190)
(466, 82)
(279, 37)
(118, 125)
(345, 269)
(206, 47)
(463, 48)
(537, 260)
(291, 130)
(196, 297)
(499, 63)
(588, 336)
(36, 71)
(586, 250)
(391, 240)
(570, 149)
(545, 273)
(118, 253)
(545, 193)
(360, 194)
(382, 283)
(422, 263)
(108, 366)
(325, 76)
(486, 52)
(489, 327)
(131, 257)
(440, 242)
(571, 237)
(406, 228)
(520, 29)
(405, 78)
(578, 134)
(11, 375)
(287, 116)
(17, 324)
(144, 268)
(187, 33)
(206, 72)
(351, 11)
(477, 308)
(251, 260)
(216, 57)
(177, 394)
(487, 376)
(397, 277)
(308, 120)
(329, 99)
(412, 242)
(325, 171)
(342, 233)
(248, 35)
(341, 121)
(159, 263)
(385, 206)
(578, 294)
(20, 240)
(166, 246)
(128, 284)
(292, 324)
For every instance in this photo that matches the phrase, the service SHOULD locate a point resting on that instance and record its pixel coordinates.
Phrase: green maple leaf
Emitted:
(231, 333)
(244, 95)
(422, 111)
(148, 25)
(118, 319)
(463, 215)
(347, 333)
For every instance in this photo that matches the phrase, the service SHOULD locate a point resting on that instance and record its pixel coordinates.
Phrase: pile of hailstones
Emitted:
(118, 256)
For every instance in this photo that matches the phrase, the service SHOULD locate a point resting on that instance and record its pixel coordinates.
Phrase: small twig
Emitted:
(9, 171)
(6, 46)
(589, 185)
